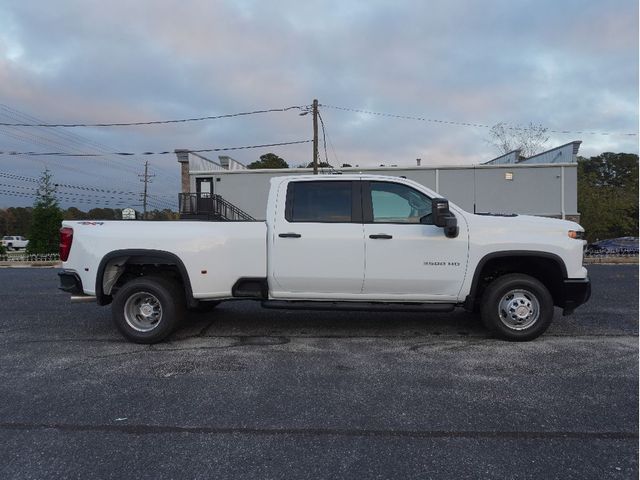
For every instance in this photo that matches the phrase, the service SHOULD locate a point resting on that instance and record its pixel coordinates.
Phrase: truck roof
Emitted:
(340, 176)
(352, 177)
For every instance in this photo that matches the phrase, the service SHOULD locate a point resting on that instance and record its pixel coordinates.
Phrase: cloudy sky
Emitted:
(568, 65)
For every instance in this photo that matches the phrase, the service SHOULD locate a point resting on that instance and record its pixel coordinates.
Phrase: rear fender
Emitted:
(114, 263)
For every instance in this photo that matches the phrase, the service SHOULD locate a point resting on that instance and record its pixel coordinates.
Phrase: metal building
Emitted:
(525, 187)
(567, 153)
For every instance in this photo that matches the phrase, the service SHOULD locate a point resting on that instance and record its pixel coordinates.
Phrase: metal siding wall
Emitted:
(457, 186)
(423, 177)
(571, 188)
(532, 191)
(248, 191)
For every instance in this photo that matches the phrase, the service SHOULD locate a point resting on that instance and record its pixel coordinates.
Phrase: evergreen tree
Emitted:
(47, 216)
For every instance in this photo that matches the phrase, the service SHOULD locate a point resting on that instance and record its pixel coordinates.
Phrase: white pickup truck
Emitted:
(14, 242)
(332, 242)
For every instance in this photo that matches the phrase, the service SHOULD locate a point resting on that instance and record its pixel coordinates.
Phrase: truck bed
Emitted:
(215, 253)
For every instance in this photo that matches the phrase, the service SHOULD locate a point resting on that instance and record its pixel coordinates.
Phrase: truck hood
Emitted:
(523, 223)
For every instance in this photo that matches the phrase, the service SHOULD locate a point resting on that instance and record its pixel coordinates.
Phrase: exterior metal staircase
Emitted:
(211, 207)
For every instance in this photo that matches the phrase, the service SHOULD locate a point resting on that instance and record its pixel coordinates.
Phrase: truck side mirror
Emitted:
(442, 217)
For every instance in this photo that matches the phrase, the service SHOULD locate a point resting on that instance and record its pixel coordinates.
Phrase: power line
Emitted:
(66, 167)
(114, 195)
(84, 197)
(467, 124)
(53, 136)
(9, 193)
(60, 133)
(166, 152)
(67, 136)
(66, 185)
(65, 197)
(58, 139)
(153, 122)
(123, 194)
(18, 177)
(70, 194)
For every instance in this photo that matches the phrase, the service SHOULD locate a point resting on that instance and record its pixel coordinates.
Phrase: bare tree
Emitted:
(529, 139)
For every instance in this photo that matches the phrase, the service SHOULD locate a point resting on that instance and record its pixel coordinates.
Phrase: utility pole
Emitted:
(315, 136)
(146, 178)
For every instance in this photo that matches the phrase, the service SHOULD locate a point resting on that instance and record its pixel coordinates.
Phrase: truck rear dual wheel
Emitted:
(148, 309)
(517, 307)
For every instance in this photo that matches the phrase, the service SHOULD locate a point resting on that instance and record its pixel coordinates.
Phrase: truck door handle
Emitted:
(289, 235)
(381, 236)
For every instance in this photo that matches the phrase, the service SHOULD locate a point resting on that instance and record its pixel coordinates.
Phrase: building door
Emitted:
(204, 190)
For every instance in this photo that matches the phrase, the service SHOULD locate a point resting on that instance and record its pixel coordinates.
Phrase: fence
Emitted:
(610, 254)
(30, 257)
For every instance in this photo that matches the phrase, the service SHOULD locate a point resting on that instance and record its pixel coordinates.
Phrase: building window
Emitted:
(508, 175)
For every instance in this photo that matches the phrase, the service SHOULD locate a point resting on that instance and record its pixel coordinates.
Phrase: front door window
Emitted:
(397, 203)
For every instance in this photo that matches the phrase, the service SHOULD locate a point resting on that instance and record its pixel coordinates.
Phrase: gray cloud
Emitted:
(569, 65)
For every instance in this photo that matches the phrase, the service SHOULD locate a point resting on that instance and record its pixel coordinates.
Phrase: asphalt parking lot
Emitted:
(244, 392)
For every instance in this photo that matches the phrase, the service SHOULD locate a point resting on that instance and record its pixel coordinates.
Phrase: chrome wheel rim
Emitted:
(142, 311)
(519, 309)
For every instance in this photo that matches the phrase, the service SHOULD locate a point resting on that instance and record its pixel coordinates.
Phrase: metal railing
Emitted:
(610, 253)
(29, 257)
(213, 207)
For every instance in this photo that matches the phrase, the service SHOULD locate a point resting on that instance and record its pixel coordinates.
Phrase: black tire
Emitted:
(517, 307)
(148, 309)
(204, 306)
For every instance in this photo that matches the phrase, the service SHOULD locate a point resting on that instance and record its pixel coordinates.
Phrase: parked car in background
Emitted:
(614, 246)
(14, 242)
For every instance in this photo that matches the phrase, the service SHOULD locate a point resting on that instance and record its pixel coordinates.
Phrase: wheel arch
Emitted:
(140, 257)
(547, 267)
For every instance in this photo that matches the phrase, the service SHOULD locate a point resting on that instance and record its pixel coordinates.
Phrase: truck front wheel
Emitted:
(148, 309)
(517, 307)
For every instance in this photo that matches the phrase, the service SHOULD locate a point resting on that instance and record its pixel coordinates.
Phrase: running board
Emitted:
(354, 306)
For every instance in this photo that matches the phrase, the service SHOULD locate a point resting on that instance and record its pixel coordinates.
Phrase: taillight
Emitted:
(66, 239)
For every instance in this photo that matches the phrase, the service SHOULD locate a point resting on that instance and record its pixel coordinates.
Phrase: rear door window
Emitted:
(322, 202)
